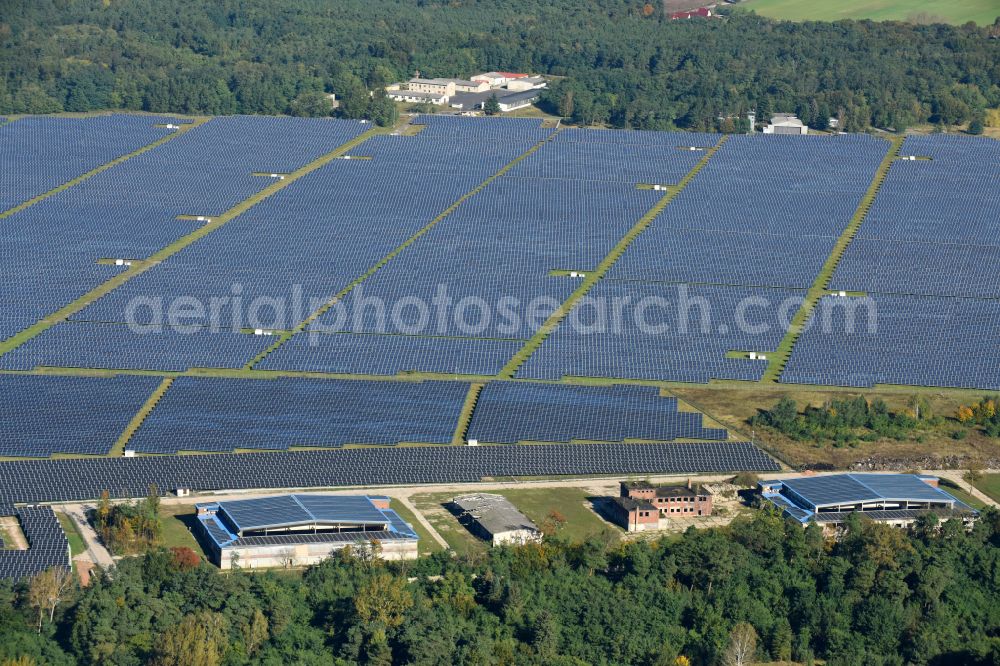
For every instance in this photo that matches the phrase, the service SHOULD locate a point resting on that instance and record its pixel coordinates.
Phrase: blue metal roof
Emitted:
(816, 491)
(289, 510)
(397, 524)
(789, 509)
(218, 532)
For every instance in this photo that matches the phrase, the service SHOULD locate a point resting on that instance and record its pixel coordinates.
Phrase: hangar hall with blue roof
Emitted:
(893, 498)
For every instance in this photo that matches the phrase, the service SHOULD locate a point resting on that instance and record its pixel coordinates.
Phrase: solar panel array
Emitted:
(621, 157)
(40, 153)
(286, 510)
(47, 546)
(214, 414)
(718, 273)
(927, 254)
(122, 347)
(390, 354)
(509, 412)
(130, 211)
(45, 414)
(65, 480)
(764, 211)
(675, 333)
(926, 341)
(501, 246)
(315, 237)
(934, 228)
(847, 488)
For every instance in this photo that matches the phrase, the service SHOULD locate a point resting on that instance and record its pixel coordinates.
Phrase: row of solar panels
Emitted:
(130, 211)
(81, 479)
(40, 153)
(45, 414)
(764, 210)
(927, 256)
(47, 545)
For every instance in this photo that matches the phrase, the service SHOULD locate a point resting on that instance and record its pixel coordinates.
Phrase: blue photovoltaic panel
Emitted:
(795, 512)
(65, 480)
(848, 488)
(510, 412)
(637, 157)
(932, 269)
(934, 226)
(764, 211)
(55, 285)
(834, 489)
(341, 508)
(258, 513)
(217, 530)
(662, 254)
(297, 510)
(953, 197)
(119, 347)
(399, 525)
(390, 354)
(214, 414)
(902, 487)
(45, 414)
(47, 545)
(309, 241)
(890, 339)
(130, 211)
(666, 332)
(496, 251)
(40, 153)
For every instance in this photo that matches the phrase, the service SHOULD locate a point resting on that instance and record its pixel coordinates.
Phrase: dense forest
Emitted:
(764, 587)
(618, 62)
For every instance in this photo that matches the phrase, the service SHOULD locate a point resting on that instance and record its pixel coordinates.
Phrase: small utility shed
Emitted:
(495, 519)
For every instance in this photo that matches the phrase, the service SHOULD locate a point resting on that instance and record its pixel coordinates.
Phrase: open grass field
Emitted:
(176, 520)
(956, 12)
(427, 543)
(573, 504)
(989, 484)
(76, 544)
(954, 490)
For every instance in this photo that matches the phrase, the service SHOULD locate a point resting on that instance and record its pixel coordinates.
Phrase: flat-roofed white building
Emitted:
(785, 123)
(527, 83)
(518, 100)
(418, 97)
(444, 87)
(498, 78)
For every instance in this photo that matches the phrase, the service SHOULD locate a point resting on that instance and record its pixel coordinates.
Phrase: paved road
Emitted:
(958, 476)
(405, 501)
(95, 552)
(12, 531)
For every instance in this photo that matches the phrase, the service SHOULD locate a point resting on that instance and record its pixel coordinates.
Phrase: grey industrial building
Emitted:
(495, 519)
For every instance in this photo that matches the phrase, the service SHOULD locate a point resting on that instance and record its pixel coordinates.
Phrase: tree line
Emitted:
(128, 528)
(614, 62)
(847, 421)
(761, 589)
